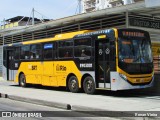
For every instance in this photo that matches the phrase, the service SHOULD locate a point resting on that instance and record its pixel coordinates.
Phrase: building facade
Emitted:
(93, 5)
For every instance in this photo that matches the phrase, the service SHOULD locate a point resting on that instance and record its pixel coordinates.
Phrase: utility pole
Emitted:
(33, 16)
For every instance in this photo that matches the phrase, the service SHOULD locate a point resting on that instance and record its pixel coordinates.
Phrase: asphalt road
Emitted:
(107, 99)
(23, 109)
(11, 105)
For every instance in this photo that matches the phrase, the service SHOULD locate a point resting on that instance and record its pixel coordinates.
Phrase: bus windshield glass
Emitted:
(135, 51)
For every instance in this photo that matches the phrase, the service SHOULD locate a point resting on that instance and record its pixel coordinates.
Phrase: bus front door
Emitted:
(103, 64)
(10, 65)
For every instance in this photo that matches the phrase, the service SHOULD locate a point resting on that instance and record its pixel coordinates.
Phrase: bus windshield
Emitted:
(135, 51)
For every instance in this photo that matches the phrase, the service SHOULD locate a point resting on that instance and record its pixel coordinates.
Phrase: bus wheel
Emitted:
(22, 80)
(73, 84)
(89, 85)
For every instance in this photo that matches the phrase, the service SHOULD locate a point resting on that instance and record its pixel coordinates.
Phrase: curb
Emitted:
(101, 112)
(36, 101)
(84, 108)
(3, 95)
(50, 104)
(75, 108)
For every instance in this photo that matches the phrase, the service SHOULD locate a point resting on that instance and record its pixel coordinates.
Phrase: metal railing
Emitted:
(90, 24)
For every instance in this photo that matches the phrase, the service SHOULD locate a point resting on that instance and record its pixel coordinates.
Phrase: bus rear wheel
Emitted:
(89, 85)
(73, 84)
(22, 80)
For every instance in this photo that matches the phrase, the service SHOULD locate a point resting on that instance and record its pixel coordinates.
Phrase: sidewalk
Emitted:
(1, 78)
(79, 101)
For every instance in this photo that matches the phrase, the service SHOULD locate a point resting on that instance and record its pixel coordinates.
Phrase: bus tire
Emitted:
(22, 80)
(73, 84)
(89, 85)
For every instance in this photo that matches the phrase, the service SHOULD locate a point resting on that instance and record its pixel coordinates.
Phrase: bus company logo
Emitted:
(86, 65)
(60, 68)
(32, 67)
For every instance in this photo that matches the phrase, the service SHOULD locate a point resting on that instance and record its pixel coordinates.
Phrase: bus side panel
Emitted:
(35, 72)
(49, 73)
(48, 78)
(63, 69)
(32, 70)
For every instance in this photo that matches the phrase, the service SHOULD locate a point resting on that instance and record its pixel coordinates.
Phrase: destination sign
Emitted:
(133, 34)
(144, 23)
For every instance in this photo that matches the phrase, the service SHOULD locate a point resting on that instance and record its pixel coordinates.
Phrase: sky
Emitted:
(50, 9)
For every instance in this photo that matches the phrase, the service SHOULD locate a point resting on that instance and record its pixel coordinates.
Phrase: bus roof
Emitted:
(56, 37)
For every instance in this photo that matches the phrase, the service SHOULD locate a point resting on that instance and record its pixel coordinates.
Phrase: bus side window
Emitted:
(82, 51)
(65, 52)
(83, 47)
(25, 52)
(66, 49)
(35, 51)
(54, 50)
(48, 50)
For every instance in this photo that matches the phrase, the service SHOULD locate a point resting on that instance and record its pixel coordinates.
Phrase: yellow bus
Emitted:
(113, 59)
(156, 56)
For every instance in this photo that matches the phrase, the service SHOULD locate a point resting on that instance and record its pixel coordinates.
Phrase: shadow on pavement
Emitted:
(148, 92)
(123, 93)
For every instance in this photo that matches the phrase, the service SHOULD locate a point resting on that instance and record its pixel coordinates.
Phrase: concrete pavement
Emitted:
(1, 78)
(105, 101)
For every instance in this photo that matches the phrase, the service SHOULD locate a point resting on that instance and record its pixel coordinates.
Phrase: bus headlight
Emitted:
(123, 76)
